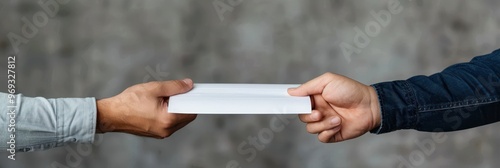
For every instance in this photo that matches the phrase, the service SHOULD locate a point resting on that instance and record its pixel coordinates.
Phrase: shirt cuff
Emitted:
(77, 120)
(398, 106)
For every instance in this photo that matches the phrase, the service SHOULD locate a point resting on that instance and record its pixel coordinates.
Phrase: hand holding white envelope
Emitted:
(239, 99)
(343, 108)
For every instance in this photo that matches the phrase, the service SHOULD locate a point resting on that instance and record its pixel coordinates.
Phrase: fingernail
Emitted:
(188, 81)
(335, 121)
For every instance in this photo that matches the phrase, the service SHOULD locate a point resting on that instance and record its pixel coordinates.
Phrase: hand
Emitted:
(342, 108)
(142, 110)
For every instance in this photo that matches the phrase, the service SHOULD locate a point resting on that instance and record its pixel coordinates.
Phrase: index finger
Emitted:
(312, 87)
(309, 118)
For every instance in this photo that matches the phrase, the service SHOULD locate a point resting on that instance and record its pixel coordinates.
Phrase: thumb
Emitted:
(312, 87)
(172, 87)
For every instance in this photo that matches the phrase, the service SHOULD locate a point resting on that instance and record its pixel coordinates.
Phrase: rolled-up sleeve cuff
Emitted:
(398, 106)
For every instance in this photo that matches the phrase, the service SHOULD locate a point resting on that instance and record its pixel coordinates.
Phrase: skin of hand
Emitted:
(343, 108)
(142, 110)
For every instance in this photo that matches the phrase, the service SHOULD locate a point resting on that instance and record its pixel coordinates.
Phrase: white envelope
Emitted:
(239, 99)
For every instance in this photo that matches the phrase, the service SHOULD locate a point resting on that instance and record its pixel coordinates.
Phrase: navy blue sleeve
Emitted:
(462, 96)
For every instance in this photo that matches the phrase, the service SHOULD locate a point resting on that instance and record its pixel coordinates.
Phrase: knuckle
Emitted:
(328, 74)
(310, 129)
(165, 134)
(139, 87)
(155, 83)
(148, 84)
(167, 123)
(323, 140)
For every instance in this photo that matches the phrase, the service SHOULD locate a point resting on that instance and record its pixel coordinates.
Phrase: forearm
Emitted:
(47, 123)
(462, 96)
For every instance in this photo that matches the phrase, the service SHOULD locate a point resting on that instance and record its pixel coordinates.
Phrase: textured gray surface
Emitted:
(98, 48)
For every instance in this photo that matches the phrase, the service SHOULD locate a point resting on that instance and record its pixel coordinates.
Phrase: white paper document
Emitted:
(239, 99)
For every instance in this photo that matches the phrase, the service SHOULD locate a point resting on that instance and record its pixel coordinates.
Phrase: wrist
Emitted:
(104, 116)
(375, 108)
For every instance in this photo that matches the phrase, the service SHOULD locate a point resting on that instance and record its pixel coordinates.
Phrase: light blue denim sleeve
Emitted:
(42, 123)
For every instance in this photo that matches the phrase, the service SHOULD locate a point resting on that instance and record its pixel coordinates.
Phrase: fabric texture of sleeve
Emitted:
(42, 123)
(462, 96)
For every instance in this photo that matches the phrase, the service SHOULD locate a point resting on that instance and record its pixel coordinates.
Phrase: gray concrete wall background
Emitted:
(98, 48)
